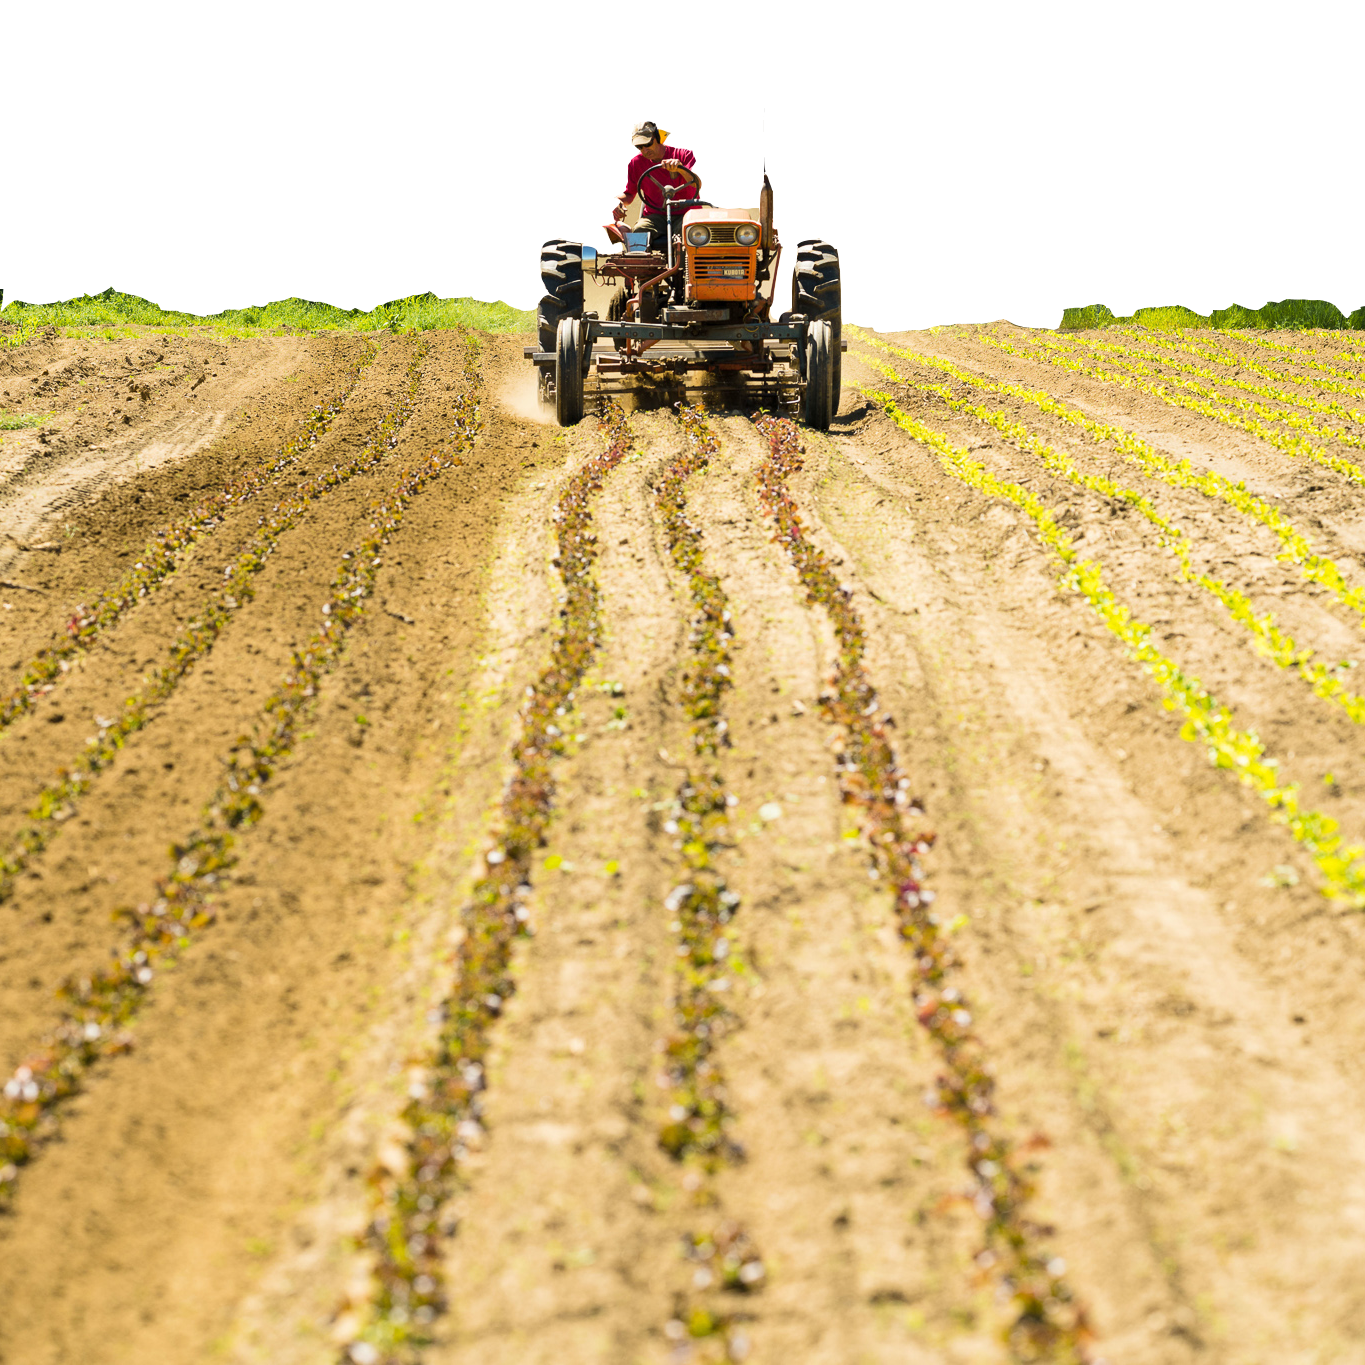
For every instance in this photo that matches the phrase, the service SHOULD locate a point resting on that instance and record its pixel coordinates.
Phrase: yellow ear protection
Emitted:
(662, 134)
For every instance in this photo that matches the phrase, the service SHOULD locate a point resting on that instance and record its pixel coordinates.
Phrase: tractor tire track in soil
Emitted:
(327, 1143)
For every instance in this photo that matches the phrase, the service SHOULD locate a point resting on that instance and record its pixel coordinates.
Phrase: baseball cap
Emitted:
(645, 133)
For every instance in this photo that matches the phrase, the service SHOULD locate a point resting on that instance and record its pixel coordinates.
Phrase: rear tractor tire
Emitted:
(561, 273)
(569, 372)
(817, 292)
(818, 401)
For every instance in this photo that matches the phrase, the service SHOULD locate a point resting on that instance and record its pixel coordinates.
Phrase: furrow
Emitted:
(1134, 357)
(1315, 568)
(58, 801)
(1045, 1321)
(100, 1007)
(698, 1131)
(1207, 721)
(164, 553)
(1310, 359)
(1291, 445)
(1270, 640)
(1204, 351)
(415, 1182)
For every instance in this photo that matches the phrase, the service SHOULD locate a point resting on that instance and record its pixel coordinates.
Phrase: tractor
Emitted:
(701, 304)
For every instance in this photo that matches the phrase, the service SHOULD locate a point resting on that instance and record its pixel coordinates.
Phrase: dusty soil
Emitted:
(1170, 1009)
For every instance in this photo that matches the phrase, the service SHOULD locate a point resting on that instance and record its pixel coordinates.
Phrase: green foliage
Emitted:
(1298, 307)
(1207, 721)
(15, 421)
(420, 312)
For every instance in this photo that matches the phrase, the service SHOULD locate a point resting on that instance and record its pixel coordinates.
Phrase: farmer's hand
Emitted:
(618, 213)
(673, 164)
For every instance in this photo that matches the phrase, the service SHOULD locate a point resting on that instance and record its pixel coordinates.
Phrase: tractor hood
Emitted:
(719, 216)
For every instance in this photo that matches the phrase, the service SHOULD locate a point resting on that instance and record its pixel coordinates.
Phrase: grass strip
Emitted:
(1291, 445)
(1270, 641)
(162, 555)
(1206, 720)
(1289, 314)
(1045, 1322)
(116, 311)
(443, 1118)
(56, 803)
(100, 1007)
(697, 1130)
(1315, 568)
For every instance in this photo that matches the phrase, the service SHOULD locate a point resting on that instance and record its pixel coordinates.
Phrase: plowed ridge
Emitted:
(683, 888)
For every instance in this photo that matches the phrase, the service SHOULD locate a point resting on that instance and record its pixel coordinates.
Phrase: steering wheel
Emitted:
(657, 167)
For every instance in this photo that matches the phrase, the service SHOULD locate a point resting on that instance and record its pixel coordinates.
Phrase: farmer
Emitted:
(652, 149)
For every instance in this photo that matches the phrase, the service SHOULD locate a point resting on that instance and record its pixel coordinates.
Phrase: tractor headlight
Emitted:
(747, 235)
(698, 234)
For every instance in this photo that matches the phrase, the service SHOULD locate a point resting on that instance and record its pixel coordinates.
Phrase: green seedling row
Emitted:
(1045, 1322)
(1308, 357)
(1135, 358)
(162, 555)
(100, 1007)
(1206, 720)
(699, 1121)
(1270, 641)
(1291, 445)
(444, 1116)
(1343, 348)
(57, 802)
(1195, 347)
(1315, 568)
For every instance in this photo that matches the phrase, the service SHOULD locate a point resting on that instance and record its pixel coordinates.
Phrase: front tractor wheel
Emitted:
(569, 372)
(561, 273)
(818, 400)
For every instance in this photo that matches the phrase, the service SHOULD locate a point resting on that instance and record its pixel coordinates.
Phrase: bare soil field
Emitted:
(684, 887)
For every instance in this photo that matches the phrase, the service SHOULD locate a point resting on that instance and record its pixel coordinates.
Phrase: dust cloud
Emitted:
(896, 210)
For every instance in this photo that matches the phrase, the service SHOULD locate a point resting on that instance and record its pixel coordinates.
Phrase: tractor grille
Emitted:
(721, 265)
(722, 234)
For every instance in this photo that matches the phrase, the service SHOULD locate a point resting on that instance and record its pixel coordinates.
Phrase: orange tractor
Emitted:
(702, 304)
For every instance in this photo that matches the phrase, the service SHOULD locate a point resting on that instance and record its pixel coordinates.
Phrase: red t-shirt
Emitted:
(653, 194)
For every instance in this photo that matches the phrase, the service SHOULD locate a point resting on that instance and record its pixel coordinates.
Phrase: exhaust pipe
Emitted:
(766, 193)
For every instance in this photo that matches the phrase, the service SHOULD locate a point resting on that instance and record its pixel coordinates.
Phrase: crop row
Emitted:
(443, 1119)
(1178, 474)
(98, 1008)
(1310, 357)
(1046, 1322)
(163, 554)
(1206, 720)
(57, 801)
(1338, 346)
(1315, 568)
(1291, 445)
(1140, 361)
(1207, 351)
(697, 1129)
(1272, 642)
